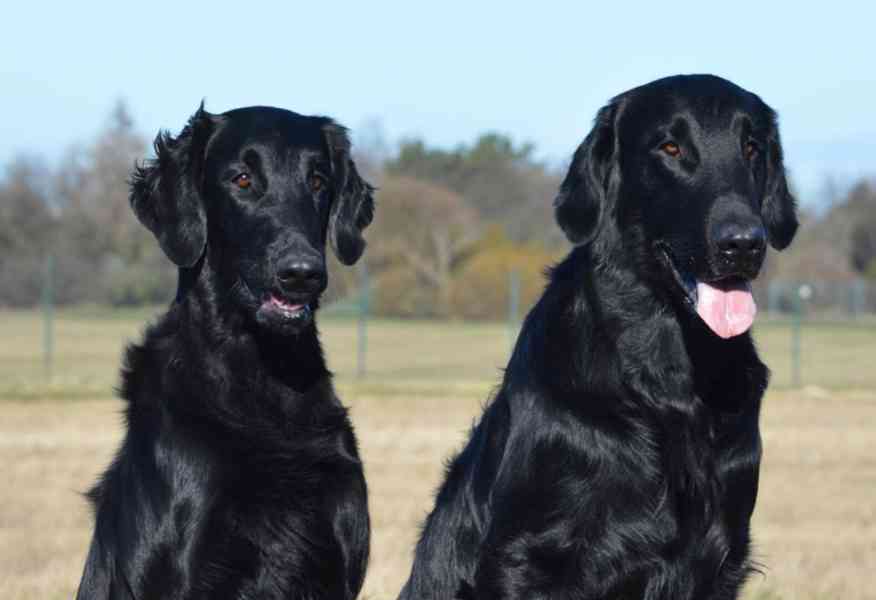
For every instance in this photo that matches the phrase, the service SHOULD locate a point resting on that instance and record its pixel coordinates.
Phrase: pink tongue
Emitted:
(277, 302)
(727, 311)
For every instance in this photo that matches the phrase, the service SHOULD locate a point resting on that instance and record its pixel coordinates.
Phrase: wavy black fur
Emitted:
(239, 475)
(619, 458)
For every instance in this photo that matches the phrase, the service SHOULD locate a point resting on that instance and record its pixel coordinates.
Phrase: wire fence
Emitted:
(392, 356)
(838, 299)
(809, 333)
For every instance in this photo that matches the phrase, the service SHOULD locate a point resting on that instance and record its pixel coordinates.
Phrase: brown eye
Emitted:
(750, 149)
(243, 181)
(316, 183)
(671, 149)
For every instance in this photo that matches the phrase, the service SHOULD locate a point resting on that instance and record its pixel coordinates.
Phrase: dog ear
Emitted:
(165, 191)
(580, 206)
(353, 205)
(779, 209)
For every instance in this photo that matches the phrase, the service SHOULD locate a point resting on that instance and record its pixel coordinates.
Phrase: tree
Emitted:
(80, 214)
(862, 251)
(370, 147)
(25, 219)
(105, 255)
(481, 287)
(26, 228)
(95, 182)
(831, 250)
(421, 234)
(499, 179)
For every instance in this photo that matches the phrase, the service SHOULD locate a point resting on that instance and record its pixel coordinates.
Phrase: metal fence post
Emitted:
(858, 299)
(48, 302)
(362, 347)
(804, 293)
(513, 305)
(795, 342)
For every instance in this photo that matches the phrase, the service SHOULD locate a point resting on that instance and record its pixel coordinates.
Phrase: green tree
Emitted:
(862, 246)
(501, 180)
(421, 233)
(26, 228)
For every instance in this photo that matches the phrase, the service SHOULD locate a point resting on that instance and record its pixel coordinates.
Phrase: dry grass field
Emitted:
(815, 523)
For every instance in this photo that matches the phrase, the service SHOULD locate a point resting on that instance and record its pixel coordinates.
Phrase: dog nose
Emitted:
(736, 241)
(301, 274)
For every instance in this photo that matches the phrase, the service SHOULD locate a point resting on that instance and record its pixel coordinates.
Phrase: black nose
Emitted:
(737, 241)
(300, 274)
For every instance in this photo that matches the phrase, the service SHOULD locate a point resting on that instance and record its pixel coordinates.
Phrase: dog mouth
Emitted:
(286, 309)
(725, 304)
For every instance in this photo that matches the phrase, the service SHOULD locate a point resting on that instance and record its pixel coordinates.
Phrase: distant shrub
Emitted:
(481, 285)
(398, 293)
(138, 284)
(21, 280)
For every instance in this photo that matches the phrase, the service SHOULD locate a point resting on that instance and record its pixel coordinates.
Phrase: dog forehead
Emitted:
(709, 102)
(277, 129)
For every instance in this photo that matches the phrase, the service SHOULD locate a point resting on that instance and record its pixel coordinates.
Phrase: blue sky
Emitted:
(447, 71)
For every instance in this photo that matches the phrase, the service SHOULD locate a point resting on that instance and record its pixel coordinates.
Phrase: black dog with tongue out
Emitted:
(619, 458)
(239, 475)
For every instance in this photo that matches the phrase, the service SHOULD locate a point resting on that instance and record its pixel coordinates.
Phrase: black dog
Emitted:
(620, 456)
(239, 476)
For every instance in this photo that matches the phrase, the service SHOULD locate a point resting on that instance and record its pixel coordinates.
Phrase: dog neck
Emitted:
(220, 331)
(601, 330)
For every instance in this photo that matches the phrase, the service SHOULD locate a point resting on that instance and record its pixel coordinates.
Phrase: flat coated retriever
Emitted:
(619, 458)
(239, 475)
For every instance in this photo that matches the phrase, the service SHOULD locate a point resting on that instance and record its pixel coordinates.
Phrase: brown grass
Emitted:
(815, 524)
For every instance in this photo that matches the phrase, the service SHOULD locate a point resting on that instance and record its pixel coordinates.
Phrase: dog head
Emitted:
(257, 192)
(686, 174)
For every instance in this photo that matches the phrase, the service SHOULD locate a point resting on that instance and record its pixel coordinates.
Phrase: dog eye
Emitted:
(243, 181)
(317, 182)
(671, 149)
(750, 149)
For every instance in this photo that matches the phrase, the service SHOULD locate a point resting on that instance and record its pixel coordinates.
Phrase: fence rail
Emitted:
(419, 356)
(814, 333)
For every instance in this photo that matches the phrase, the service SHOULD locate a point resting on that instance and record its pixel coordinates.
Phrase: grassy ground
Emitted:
(815, 524)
